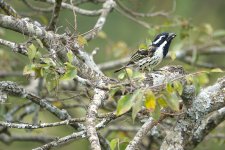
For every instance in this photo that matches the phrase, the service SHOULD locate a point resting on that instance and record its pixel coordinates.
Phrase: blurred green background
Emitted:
(120, 37)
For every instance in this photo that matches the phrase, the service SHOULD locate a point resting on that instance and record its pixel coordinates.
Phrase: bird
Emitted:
(148, 59)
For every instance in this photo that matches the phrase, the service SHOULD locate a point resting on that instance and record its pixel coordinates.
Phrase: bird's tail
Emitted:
(124, 67)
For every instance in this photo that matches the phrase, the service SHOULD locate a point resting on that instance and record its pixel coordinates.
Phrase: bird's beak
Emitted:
(171, 36)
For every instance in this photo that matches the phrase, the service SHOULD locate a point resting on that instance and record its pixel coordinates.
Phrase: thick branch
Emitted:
(98, 98)
(209, 99)
(207, 126)
(140, 134)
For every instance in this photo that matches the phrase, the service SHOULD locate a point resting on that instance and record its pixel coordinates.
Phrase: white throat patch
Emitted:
(159, 51)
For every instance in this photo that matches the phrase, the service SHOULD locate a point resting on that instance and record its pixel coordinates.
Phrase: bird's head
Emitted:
(163, 40)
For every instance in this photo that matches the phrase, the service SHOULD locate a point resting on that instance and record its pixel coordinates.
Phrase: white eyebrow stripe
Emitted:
(158, 40)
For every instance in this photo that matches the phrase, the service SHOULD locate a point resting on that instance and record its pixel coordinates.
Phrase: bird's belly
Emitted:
(149, 62)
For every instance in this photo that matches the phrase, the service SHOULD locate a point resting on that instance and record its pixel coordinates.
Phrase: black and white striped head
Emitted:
(163, 40)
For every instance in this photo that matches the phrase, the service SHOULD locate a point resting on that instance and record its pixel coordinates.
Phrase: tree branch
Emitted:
(55, 15)
(209, 99)
(92, 135)
(12, 89)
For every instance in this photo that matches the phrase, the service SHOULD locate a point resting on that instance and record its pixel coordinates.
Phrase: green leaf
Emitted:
(162, 102)
(69, 74)
(143, 46)
(39, 42)
(81, 40)
(28, 69)
(137, 98)
(69, 65)
(121, 75)
(38, 55)
(156, 113)
(51, 85)
(203, 79)
(150, 100)
(197, 85)
(70, 56)
(173, 55)
(218, 70)
(48, 61)
(208, 28)
(169, 88)
(114, 143)
(129, 72)
(102, 35)
(148, 41)
(189, 79)
(124, 104)
(178, 87)
(172, 101)
(113, 91)
(52, 80)
(39, 72)
(31, 52)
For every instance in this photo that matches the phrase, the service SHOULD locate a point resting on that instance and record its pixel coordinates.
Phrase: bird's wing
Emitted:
(140, 54)
(151, 50)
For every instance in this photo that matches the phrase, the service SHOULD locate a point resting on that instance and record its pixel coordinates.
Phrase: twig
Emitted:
(107, 7)
(55, 15)
(12, 89)
(34, 138)
(18, 48)
(146, 127)
(137, 14)
(26, 2)
(42, 125)
(75, 135)
(77, 9)
(8, 9)
(144, 24)
(75, 18)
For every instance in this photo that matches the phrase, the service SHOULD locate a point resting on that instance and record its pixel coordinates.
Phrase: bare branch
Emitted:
(42, 125)
(146, 127)
(55, 15)
(209, 99)
(12, 89)
(137, 14)
(107, 7)
(26, 2)
(91, 117)
(14, 138)
(18, 48)
(76, 9)
(207, 126)
(8, 9)
(75, 135)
